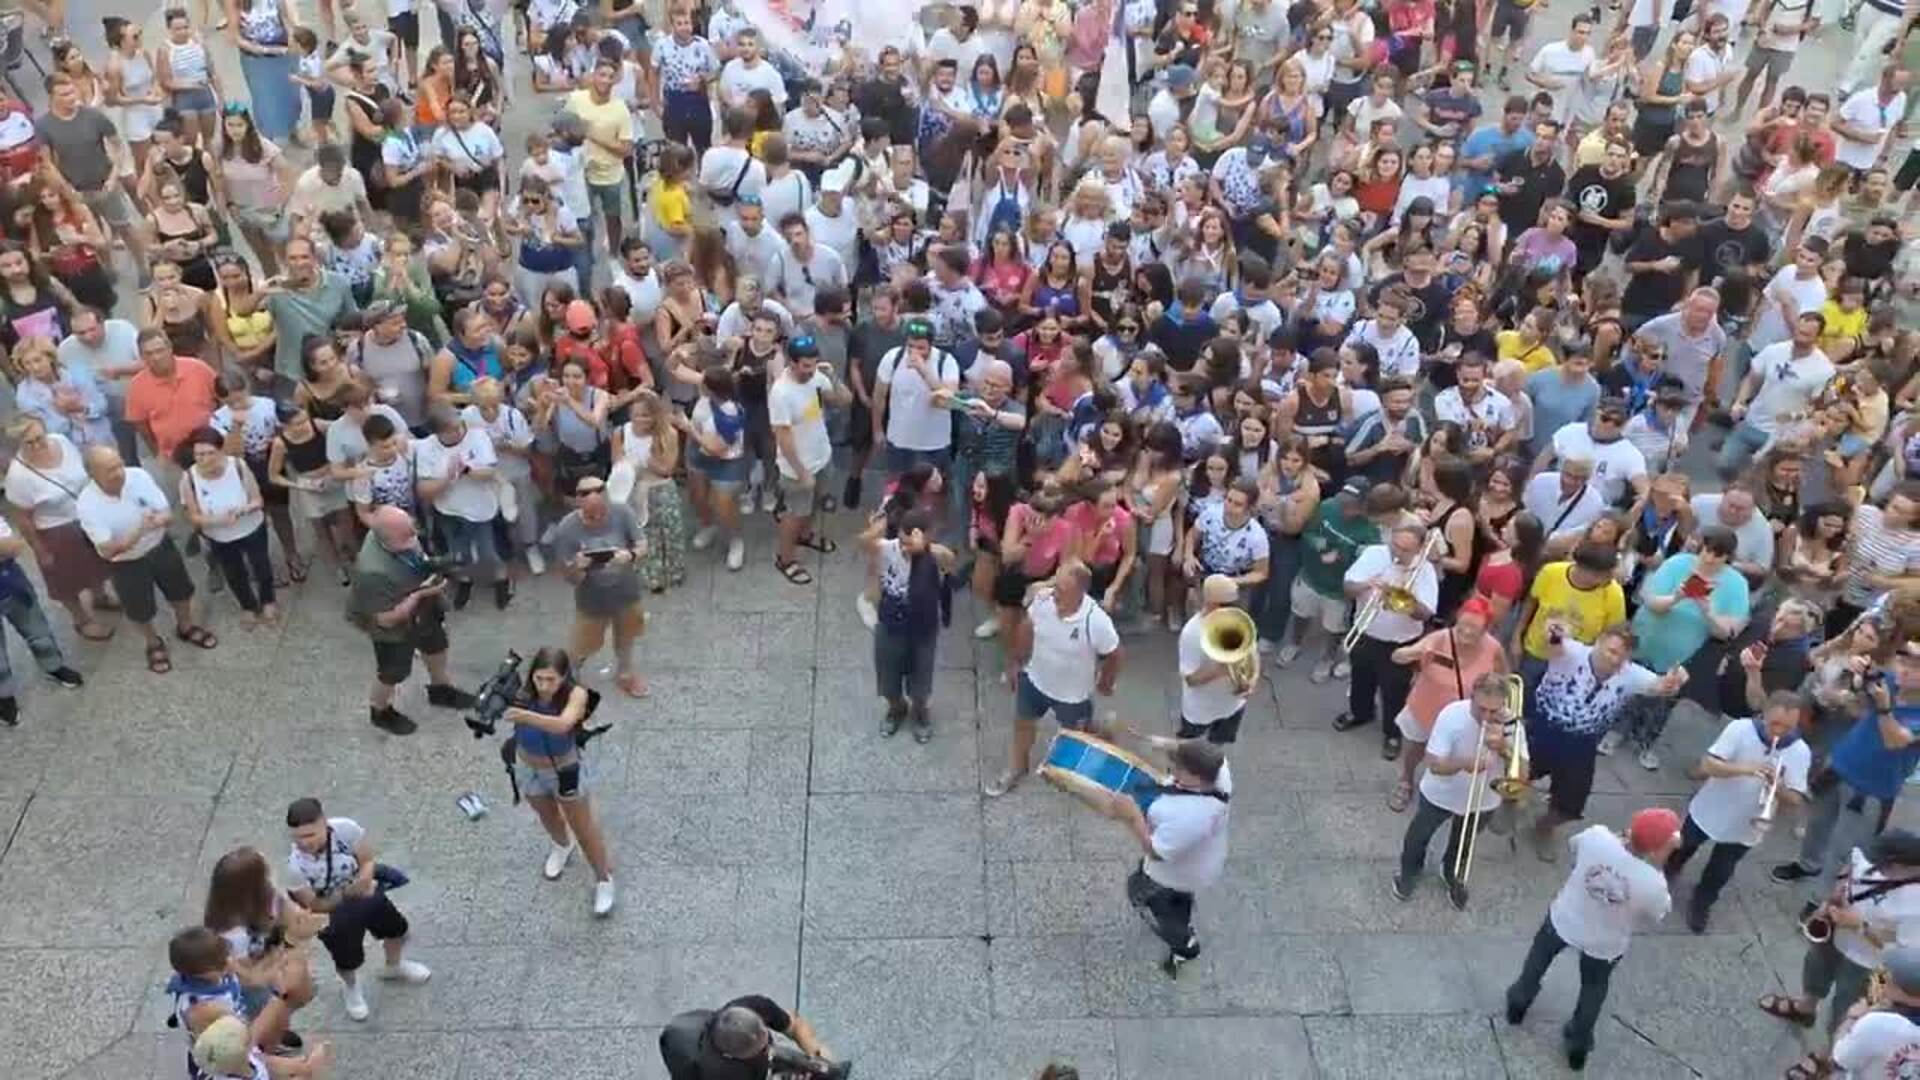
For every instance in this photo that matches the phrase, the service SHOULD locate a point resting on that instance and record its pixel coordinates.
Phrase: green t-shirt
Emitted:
(1333, 532)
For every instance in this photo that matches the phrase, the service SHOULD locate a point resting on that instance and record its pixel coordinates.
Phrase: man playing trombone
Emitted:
(1756, 767)
(1467, 754)
(1396, 588)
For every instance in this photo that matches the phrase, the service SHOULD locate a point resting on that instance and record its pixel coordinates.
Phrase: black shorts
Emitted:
(1908, 176)
(1572, 774)
(480, 183)
(136, 579)
(1509, 19)
(1221, 732)
(859, 427)
(393, 660)
(1010, 587)
(345, 937)
(406, 27)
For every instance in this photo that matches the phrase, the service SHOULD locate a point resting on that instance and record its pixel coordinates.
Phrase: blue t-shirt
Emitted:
(1667, 641)
(1556, 404)
(1492, 143)
(1862, 759)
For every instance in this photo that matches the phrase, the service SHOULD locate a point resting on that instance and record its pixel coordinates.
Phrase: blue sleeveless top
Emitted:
(545, 743)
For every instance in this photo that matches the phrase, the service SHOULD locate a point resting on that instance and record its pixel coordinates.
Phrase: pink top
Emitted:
(1086, 521)
(1044, 547)
(1435, 687)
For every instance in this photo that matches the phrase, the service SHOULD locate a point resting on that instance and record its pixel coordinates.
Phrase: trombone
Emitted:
(1397, 597)
(1229, 638)
(1511, 785)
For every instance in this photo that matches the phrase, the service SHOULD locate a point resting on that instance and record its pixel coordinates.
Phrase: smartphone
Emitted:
(601, 557)
(960, 402)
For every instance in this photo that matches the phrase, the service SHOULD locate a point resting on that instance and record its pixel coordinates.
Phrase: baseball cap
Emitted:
(1651, 828)
(580, 315)
(1181, 76)
(1258, 148)
(803, 347)
(919, 328)
(225, 1048)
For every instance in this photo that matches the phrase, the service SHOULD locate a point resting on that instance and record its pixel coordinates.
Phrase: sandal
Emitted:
(818, 543)
(297, 569)
(101, 631)
(158, 661)
(197, 636)
(1788, 1009)
(632, 685)
(793, 572)
(1811, 1067)
(1402, 795)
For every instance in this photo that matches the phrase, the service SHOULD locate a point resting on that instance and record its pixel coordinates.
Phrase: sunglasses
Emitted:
(235, 108)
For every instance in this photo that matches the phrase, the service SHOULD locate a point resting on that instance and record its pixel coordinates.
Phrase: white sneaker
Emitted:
(703, 539)
(1288, 654)
(1321, 671)
(1649, 760)
(869, 614)
(736, 553)
(356, 1001)
(985, 631)
(1342, 669)
(603, 898)
(1173, 623)
(536, 562)
(411, 972)
(1263, 646)
(557, 860)
(748, 499)
(769, 498)
(1608, 743)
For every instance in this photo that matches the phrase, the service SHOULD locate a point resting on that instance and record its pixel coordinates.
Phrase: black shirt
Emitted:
(684, 1048)
(1478, 343)
(1592, 192)
(1654, 292)
(1430, 309)
(1520, 209)
(1724, 249)
(887, 101)
(870, 343)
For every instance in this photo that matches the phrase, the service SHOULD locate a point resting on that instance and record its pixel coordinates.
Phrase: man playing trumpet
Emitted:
(1396, 588)
(1754, 769)
(1466, 755)
(1213, 697)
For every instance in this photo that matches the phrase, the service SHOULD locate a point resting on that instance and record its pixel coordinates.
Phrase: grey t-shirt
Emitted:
(606, 590)
(79, 147)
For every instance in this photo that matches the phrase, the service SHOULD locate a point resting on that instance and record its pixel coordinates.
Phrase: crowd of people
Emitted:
(1132, 313)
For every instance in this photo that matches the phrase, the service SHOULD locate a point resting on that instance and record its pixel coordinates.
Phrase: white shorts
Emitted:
(1329, 612)
(1160, 535)
(1410, 728)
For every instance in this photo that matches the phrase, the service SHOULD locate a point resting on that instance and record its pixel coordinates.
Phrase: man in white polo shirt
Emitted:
(126, 516)
(1867, 118)
(1618, 466)
(1061, 653)
(1183, 836)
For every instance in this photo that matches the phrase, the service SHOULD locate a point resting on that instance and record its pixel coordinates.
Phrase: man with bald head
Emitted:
(126, 516)
(735, 1042)
(399, 601)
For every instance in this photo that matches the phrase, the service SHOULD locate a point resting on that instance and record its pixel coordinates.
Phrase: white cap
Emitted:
(839, 178)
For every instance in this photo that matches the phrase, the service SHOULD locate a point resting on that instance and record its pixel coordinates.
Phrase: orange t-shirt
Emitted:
(172, 408)
(1436, 686)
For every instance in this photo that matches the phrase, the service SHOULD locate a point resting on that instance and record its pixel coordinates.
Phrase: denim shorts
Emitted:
(198, 99)
(727, 474)
(1030, 704)
(606, 197)
(545, 783)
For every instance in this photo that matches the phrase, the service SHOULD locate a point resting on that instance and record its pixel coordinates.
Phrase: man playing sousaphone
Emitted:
(1213, 697)
(1875, 905)
(1881, 1034)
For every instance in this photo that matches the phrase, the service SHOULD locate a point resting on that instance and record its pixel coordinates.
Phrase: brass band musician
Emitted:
(1466, 754)
(1400, 586)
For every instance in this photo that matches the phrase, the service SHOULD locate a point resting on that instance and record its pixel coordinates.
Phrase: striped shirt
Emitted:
(1877, 549)
(189, 63)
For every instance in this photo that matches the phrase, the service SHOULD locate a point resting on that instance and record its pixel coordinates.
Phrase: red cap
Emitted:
(1652, 828)
(580, 315)
(1477, 606)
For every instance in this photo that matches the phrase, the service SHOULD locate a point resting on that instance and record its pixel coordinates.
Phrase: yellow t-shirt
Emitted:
(672, 208)
(1509, 346)
(610, 122)
(1842, 326)
(1586, 612)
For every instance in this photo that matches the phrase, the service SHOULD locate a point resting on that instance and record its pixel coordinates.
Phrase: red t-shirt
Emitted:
(1504, 580)
(174, 407)
(1377, 196)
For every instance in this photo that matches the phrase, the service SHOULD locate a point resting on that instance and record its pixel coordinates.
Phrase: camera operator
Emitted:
(598, 547)
(398, 600)
(736, 1043)
(547, 767)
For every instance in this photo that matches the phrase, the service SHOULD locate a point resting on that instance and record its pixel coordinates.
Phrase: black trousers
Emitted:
(1168, 911)
(346, 934)
(248, 568)
(1595, 974)
(1427, 819)
(1720, 864)
(1376, 677)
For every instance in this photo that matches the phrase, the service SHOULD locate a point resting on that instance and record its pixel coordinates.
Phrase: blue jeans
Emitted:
(1742, 443)
(276, 100)
(1595, 974)
(900, 459)
(472, 542)
(583, 255)
(23, 611)
(1283, 567)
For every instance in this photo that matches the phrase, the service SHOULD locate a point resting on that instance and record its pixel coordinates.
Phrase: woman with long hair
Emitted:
(366, 99)
(32, 304)
(132, 87)
(713, 265)
(716, 431)
(1002, 272)
(1817, 562)
(242, 324)
(547, 239)
(1513, 555)
(257, 181)
(403, 165)
(551, 772)
(476, 78)
(66, 237)
(1290, 494)
(1058, 289)
(647, 446)
(266, 935)
(297, 463)
(43, 482)
(182, 232)
(184, 72)
(1663, 86)
(990, 498)
(222, 500)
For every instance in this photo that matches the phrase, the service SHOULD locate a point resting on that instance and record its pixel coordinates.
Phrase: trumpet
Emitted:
(1229, 638)
(1397, 597)
(1770, 792)
(1511, 785)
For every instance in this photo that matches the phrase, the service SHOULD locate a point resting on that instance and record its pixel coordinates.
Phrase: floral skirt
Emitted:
(665, 563)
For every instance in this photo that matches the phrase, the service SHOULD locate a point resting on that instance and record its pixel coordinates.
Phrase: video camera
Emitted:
(503, 690)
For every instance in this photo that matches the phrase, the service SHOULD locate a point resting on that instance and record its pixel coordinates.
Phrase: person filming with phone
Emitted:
(399, 599)
(599, 547)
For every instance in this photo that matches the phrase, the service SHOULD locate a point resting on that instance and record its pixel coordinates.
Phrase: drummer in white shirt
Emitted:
(1739, 767)
(1183, 837)
(1064, 651)
(1615, 887)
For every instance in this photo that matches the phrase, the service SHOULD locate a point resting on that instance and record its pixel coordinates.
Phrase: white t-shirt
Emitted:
(219, 496)
(1558, 513)
(757, 254)
(1223, 549)
(1705, 65)
(1608, 894)
(1455, 734)
(1572, 699)
(114, 517)
(720, 168)
(346, 444)
(468, 152)
(1189, 833)
(1209, 701)
(1880, 1044)
(1725, 805)
(1375, 561)
(48, 495)
(468, 497)
(1864, 110)
(737, 80)
(1788, 384)
(797, 405)
(1490, 414)
(1615, 464)
(914, 422)
(1556, 61)
(1066, 649)
(1892, 915)
(336, 866)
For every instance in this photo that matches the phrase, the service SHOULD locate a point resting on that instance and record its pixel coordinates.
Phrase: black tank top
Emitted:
(1692, 170)
(193, 178)
(305, 457)
(1110, 289)
(1312, 419)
